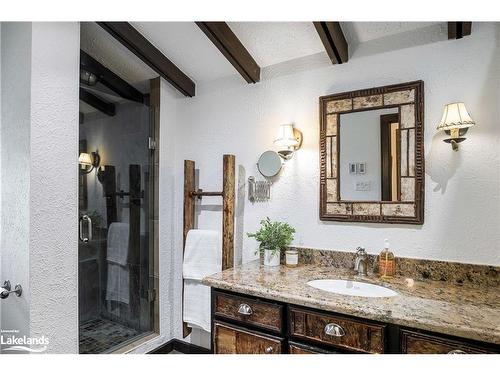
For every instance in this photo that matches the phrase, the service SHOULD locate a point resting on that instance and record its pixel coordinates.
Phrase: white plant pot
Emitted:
(271, 258)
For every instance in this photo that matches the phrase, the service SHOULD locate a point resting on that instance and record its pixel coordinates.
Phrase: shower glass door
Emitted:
(115, 291)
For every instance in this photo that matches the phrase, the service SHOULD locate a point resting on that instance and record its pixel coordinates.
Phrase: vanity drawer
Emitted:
(420, 343)
(338, 331)
(295, 348)
(234, 340)
(255, 312)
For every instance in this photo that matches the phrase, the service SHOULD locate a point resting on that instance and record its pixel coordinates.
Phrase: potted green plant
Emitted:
(273, 236)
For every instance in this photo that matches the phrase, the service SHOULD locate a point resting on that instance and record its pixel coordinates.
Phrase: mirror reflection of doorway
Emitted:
(390, 152)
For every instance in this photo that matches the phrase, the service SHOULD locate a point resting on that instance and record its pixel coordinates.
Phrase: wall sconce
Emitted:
(455, 122)
(86, 160)
(289, 140)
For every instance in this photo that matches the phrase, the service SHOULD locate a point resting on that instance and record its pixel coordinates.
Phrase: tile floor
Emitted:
(101, 335)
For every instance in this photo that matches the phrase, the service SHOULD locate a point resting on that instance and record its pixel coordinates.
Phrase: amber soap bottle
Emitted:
(386, 262)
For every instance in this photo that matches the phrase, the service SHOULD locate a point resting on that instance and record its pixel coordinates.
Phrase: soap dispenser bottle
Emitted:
(386, 262)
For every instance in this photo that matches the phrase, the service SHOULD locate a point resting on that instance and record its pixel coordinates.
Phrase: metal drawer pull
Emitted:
(244, 309)
(269, 350)
(335, 330)
(456, 351)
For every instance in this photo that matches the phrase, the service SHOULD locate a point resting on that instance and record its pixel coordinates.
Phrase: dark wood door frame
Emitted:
(386, 152)
(127, 35)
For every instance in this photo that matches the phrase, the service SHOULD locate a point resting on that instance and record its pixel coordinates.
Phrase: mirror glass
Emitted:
(269, 164)
(369, 155)
(372, 155)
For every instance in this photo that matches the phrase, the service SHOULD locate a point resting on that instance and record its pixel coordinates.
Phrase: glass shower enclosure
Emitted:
(116, 290)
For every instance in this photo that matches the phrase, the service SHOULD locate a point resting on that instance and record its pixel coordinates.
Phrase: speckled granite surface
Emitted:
(470, 311)
(418, 269)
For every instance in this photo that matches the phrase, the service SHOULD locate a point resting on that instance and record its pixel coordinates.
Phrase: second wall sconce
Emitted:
(455, 122)
(289, 140)
(86, 160)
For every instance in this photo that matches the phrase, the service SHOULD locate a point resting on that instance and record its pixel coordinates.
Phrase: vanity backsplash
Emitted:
(417, 269)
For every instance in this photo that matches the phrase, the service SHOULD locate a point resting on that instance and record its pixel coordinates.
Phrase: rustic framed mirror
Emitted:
(372, 155)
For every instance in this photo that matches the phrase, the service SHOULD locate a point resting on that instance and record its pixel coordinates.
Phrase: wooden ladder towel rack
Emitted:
(191, 194)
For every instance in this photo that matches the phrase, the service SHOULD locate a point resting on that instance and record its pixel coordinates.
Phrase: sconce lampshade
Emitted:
(85, 159)
(455, 116)
(286, 137)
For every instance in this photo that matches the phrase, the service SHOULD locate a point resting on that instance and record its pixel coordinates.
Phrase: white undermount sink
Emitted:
(352, 288)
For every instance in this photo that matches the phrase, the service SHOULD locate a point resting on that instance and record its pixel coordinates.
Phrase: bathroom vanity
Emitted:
(260, 310)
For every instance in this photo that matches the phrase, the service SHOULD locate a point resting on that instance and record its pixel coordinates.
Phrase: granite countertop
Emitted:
(458, 310)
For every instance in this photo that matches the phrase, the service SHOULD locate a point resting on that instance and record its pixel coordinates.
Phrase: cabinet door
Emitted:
(232, 340)
(420, 343)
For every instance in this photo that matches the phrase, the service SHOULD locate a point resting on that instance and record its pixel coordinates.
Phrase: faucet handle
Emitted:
(360, 251)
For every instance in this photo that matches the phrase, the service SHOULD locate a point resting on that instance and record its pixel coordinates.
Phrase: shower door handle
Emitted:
(89, 228)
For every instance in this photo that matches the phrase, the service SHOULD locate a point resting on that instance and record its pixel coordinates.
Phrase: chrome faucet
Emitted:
(361, 262)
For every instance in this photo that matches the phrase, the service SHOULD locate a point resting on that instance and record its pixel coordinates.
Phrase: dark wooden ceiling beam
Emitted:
(109, 79)
(96, 102)
(233, 50)
(127, 35)
(333, 40)
(457, 30)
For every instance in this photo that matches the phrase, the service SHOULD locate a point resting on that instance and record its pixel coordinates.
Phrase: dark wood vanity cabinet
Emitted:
(229, 339)
(243, 324)
(421, 343)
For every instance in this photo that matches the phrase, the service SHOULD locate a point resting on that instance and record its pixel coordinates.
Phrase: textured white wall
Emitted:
(39, 179)
(54, 184)
(243, 119)
(0, 166)
(15, 172)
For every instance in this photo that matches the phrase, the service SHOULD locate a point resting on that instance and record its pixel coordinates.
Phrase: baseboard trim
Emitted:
(181, 347)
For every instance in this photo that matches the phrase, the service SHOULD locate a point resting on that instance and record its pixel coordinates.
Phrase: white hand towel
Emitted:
(118, 235)
(117, 288)
(197, 304)
(202, 255)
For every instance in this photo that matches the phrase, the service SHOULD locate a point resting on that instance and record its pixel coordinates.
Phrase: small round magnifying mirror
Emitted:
(269, 164)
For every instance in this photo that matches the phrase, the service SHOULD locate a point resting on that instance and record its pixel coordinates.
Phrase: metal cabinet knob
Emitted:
(244, 309)
(457, 351)
(335, 330)
(269, 350)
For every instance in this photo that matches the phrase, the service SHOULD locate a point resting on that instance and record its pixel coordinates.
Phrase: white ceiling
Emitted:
(190, 49)
(272, 43)
(361, 32)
